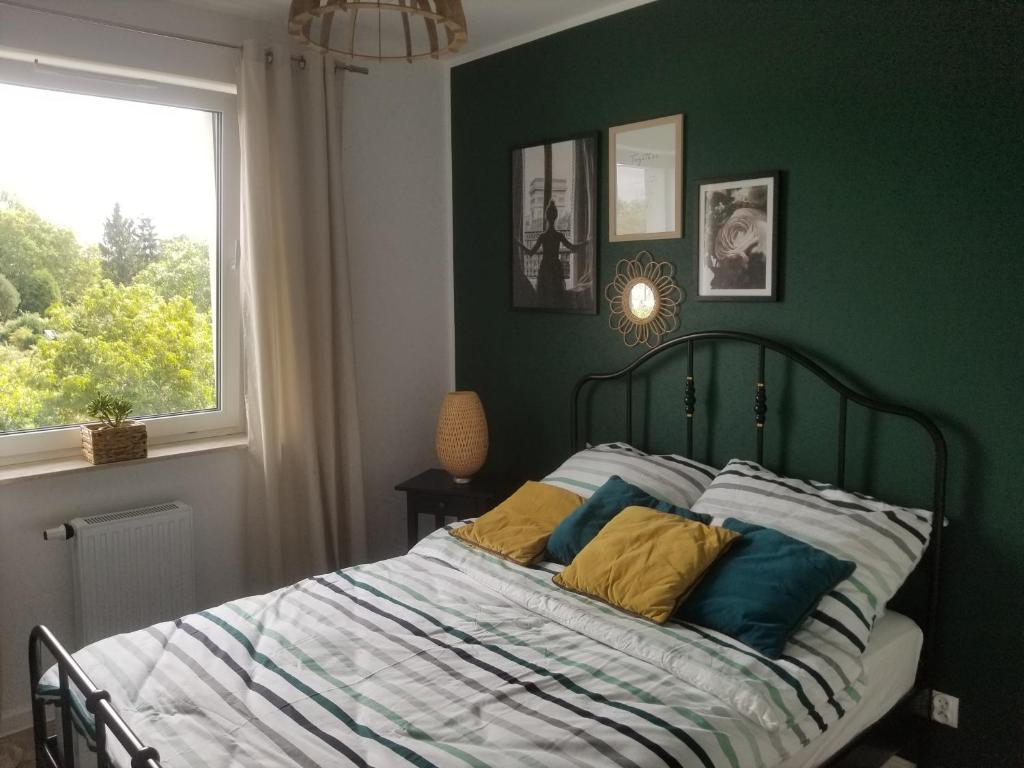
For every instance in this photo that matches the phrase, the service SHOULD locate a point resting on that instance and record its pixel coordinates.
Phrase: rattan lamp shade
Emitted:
(462, 435)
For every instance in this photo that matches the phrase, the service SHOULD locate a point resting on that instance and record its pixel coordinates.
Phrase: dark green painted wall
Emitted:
(900, 133)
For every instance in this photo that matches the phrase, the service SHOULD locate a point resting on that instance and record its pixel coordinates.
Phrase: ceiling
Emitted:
(493, 24)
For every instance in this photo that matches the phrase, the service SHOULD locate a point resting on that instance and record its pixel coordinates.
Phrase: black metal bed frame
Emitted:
(917, 703)
(107, 721)
(49, 753)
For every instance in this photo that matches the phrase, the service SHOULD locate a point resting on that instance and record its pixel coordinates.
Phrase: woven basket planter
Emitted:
(104, 445)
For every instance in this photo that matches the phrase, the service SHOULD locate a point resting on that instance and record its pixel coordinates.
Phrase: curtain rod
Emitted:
(156, 33)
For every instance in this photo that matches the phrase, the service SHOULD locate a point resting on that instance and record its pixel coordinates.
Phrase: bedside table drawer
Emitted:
(442, 506)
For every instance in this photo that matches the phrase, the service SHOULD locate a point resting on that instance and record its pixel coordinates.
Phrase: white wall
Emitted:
(35, 575)
(75, 39)
(398, 213)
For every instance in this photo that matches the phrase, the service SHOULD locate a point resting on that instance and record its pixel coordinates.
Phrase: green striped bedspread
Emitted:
(450, 657)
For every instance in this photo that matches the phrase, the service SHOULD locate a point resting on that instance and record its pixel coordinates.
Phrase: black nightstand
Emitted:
(435, 493)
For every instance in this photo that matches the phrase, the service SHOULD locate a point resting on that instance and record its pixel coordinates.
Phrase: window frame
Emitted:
(227, 418)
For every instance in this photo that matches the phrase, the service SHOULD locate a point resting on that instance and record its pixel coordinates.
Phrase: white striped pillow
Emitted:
(675, 479)
(885, 541)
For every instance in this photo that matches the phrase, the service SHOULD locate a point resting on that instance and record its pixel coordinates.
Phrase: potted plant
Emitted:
(114, 437)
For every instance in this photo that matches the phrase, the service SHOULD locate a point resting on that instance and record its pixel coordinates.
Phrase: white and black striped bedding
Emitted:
(451, 657)
(885, 541)
(675, 479)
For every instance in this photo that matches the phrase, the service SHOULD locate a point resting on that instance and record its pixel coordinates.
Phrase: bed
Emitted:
(449, 656)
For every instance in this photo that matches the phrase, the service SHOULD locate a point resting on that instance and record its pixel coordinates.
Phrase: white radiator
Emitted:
(131, 569)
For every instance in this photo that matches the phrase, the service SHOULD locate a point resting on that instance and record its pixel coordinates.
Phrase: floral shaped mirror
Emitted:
(643, 300)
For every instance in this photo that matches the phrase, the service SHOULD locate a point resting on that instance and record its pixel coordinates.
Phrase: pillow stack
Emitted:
(579, 528)
(756, 558)
(884, 541)
(764, 588)
(645, 562)
(519, 527)
(675, 479)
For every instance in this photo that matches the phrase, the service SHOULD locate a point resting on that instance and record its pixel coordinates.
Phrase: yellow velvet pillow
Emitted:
(645, 562)
(518, 529)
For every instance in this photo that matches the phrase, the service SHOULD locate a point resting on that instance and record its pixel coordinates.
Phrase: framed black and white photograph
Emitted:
(554, 226)
(737, 244)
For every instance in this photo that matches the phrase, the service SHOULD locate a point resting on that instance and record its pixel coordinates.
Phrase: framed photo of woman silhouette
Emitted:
(554, 226)
(737, 242)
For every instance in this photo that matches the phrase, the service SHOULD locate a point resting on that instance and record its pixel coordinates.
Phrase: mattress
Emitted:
(890, 664)
(448, 656)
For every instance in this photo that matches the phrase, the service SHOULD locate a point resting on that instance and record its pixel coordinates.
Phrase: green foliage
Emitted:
(29, 243)
(182, 270)
(110, 409)
(9, 299)
(120, 248)
(631, 216)
(149, 244)
(129, 339)
(25, 322)
(38, 291)
(146, 334)
(22, 390)
(23, 338)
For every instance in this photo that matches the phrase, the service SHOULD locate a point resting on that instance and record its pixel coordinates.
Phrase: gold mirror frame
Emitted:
(663, 319)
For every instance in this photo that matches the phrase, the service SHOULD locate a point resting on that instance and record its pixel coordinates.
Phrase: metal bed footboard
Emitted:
(53, 752)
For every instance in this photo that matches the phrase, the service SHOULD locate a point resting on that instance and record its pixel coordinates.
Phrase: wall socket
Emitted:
(945, 709)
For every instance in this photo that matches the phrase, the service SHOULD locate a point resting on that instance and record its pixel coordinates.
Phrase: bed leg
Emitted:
(39, 730)
(921, 723)
(923, 753)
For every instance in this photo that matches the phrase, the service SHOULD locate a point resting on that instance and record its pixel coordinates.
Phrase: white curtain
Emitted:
(305, 511)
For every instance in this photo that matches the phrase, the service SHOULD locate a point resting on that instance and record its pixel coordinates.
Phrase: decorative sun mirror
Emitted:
(645, 180)
(643, 300)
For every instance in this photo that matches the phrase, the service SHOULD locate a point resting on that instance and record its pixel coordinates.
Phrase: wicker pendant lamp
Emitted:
(462, 435)
(380, 30)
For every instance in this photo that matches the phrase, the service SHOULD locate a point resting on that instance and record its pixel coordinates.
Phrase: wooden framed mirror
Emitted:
(645, 180)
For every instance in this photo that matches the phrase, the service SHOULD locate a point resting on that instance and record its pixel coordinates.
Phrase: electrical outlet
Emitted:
(945, 709)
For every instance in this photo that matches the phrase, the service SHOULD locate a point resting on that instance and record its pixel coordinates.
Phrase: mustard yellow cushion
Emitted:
(645, 562)
(519, 527)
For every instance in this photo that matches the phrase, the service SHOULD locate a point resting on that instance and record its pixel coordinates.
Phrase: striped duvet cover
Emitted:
(450, 657)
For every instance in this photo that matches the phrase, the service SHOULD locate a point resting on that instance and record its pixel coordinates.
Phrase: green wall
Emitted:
(899, 132)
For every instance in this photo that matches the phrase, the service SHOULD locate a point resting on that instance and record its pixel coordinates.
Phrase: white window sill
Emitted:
(61, 466)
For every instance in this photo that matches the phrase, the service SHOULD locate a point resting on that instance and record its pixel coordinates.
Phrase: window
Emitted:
(118, 203)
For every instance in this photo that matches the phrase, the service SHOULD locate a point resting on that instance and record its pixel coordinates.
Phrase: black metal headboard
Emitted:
(846, 395)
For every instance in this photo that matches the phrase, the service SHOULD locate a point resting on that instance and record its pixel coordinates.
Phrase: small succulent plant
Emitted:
(110, 409)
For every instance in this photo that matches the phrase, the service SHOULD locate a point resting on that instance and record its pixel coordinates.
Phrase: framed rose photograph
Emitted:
(737, 244)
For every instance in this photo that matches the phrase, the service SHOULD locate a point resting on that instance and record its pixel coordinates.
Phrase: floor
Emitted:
(22, 741)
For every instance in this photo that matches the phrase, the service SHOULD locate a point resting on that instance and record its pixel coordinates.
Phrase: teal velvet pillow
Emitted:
(585, 522)
(762, 589)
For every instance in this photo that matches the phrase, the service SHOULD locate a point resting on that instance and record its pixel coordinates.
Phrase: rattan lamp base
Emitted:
(462, 435)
